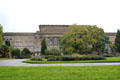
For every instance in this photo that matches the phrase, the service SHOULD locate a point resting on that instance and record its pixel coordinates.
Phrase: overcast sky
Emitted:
(26, 15)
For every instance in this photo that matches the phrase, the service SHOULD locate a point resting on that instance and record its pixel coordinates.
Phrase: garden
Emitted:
(80, 44)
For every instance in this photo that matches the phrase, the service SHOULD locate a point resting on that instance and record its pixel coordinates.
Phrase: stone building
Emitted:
(32, 41)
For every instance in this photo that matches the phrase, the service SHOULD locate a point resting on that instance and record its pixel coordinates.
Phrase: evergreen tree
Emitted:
(0, 34)
(43, 46)
(117, 41)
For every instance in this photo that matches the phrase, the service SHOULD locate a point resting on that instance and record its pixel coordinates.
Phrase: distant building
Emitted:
(32, 41)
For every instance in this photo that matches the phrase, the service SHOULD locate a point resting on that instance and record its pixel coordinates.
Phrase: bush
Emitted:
(54, 52)
(36, 58)
(68, 58)
(15, 53)
(77, 55)
(4, 51)
(92, 57)
(26, 53)
(107, 55)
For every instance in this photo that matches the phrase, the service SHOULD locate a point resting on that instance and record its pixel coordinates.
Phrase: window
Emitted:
(34, 44)
(58, 42)
(38, 49)
(20, 43)
(29, 43)
(25, 43)
(50, 42)
(16, 44)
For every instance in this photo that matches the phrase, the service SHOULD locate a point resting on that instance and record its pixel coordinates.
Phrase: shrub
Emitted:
(68, 58)
(15, 53)
(92, 57)
(25, 53)
(107, 55)
(36, 58)
(4, 51)
(54, 52)
(77, 55)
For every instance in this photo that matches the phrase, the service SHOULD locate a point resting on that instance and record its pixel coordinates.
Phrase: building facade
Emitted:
(32, 41)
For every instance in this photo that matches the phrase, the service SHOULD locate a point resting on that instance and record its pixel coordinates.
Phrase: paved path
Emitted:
(18, 62)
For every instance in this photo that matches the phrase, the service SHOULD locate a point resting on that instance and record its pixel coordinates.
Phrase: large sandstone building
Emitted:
(32, 41)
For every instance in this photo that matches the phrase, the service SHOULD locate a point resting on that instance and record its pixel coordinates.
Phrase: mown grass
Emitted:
(61, 73)
(108, 59)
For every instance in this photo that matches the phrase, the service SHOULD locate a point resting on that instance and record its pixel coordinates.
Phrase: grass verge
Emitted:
(61, 73)
(108, 59)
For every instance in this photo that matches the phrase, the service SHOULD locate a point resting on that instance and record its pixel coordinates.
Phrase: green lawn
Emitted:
(108, 59)
(61, 73)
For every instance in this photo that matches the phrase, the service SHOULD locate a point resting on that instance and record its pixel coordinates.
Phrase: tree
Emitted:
(25, 53)
(1, 34)
(4, 51)
(43, 46)
(97, 37)
(15, 52)
(117, 41)
(80, 38)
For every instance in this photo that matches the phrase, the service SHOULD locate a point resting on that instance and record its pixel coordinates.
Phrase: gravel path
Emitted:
(18, 62)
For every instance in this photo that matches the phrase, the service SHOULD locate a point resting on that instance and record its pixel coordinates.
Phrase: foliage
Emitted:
(25, 53)
(117, 41)
(1, 32)
(92, 57)
(107, 55)
(53, 51)
(81, 39)
(15, 53)
(4, 51)
(77, 55)
(108, 59)
(85, 57)
(37, 58)
(43, 46)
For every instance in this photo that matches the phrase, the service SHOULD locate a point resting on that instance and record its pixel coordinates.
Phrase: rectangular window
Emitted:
(50, 42)
(20, 43)
(25, 43)
(29, 43)
(34, 44)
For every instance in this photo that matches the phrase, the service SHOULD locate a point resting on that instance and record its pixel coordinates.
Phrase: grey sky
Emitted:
(26, 15)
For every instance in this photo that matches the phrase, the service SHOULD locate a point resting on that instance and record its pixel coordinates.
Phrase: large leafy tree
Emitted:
(117, 41)
(43, 46)
(79, 38)
(1, 34)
